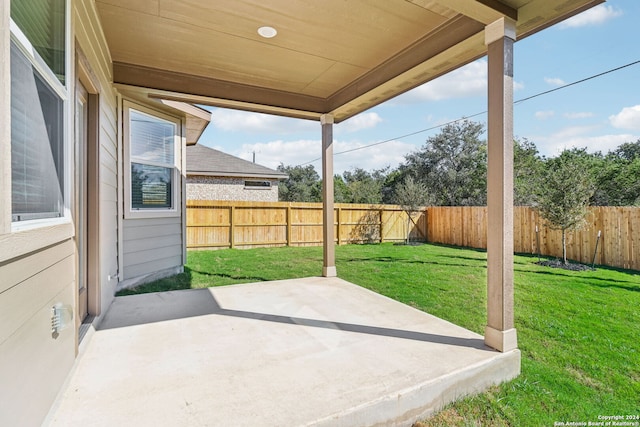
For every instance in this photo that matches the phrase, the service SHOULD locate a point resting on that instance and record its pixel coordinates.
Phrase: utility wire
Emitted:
(396, 138)
(577, 82)
(519, 101)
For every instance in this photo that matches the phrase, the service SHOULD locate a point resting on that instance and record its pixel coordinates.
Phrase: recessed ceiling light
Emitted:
(267, 32)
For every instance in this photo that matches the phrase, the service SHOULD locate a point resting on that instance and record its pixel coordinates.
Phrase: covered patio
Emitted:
(302, 352)
(316, 351)
(329, 61)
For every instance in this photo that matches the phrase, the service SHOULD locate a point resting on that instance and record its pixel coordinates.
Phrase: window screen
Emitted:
(37, 143)
(152, 161)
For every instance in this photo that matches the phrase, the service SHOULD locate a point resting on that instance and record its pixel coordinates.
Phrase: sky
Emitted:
(598, 114)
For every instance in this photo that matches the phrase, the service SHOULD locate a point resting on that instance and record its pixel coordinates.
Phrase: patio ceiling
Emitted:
(331, 56)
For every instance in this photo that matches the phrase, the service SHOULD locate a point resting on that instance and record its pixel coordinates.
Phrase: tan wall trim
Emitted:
(87, 77)
(135, 75)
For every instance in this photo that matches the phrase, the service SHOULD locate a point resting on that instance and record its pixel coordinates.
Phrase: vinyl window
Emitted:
(153, 143)
(38, 101)
(257, 185)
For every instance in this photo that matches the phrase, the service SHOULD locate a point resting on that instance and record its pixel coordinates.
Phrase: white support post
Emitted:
(328, 233)
(500, 332)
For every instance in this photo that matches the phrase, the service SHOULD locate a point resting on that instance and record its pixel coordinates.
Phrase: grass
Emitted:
(578, 331)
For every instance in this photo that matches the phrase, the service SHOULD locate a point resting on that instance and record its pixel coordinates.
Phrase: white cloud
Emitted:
(594, 16)
(271, 154)
(543, 115)
(579, 137)
(628, 118)
(555, 81)
(467, 81)
(574, 131)
(359, 122)
(578, 115)
(244, 121)
(377, 157)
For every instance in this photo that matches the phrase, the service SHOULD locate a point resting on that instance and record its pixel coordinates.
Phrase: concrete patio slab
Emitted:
(303, 352)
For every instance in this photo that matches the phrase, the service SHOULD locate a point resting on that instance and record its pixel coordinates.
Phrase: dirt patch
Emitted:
(447, 417)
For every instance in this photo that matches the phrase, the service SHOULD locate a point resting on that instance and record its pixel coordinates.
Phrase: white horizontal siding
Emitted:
(142, 269)
(150, 245)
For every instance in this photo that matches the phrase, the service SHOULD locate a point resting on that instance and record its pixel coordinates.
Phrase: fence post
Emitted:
(232, 233)
(339, 215)
(289, 225)
(426, 225)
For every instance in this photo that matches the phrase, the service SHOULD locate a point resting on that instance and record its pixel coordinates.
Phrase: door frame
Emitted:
(86, 77)
(81, 201)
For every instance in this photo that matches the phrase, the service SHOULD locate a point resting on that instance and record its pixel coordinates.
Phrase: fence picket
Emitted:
(224, 224)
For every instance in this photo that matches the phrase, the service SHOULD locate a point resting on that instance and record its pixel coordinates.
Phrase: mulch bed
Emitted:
(556, 263)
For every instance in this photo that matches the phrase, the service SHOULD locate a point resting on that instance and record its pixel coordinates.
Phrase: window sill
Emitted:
(151, 213)
(20, 226)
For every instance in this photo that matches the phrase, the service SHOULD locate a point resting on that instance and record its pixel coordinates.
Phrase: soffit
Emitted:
(195, 118)
(330, 56)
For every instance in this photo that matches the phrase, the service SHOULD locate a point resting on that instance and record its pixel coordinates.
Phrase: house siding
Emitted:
(150, 245)
(90, 39)
(218, 188)
(33, 362)
(38, 267)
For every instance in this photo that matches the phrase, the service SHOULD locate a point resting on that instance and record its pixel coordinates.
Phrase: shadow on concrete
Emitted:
(165, 306)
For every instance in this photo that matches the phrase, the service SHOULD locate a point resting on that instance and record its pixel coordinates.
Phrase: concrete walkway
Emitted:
(303, 352)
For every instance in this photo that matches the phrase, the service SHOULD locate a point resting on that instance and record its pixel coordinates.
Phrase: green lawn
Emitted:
(579, 332)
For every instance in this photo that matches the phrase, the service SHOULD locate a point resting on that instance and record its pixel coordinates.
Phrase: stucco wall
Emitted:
(214, 188)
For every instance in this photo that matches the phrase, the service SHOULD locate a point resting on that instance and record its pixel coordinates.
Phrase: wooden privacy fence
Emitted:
(220, 224)
(619, 244)
(235, 224)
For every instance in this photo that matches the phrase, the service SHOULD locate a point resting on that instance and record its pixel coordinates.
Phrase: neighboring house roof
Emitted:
(206, 161)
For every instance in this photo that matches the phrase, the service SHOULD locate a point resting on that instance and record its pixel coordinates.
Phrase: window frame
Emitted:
(62, 90)
(176, 188)
(258, 187)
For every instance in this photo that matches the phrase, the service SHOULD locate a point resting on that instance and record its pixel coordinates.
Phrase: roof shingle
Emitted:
(207, 161)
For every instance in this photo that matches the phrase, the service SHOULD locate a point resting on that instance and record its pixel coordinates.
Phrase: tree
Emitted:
(341, 192)
(363, 186)
(411, 195)
(527, 169)
(303, 184)
(391, 181)
(453, 165)
(563, 196)
(628, 151)
(618, 182)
